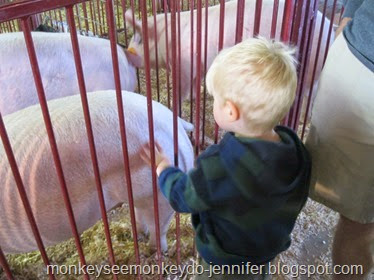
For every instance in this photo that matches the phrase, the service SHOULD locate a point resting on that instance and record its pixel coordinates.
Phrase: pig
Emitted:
(31, 148)
(57, 68)
(136, 43)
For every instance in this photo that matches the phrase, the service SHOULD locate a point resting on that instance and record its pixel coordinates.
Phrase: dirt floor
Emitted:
(311, 237)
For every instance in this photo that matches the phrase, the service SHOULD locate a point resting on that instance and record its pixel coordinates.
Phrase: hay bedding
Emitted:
(311, 236)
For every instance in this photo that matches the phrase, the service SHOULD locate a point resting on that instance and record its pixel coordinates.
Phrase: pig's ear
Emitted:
(131, 20)
(134, 58)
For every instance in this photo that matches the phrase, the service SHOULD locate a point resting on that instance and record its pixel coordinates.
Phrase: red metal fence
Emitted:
(106, 19)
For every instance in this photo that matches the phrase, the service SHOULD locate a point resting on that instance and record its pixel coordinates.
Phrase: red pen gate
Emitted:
(106, 19)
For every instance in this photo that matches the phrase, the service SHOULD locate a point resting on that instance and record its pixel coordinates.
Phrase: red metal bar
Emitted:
(287, 21)
(122, 124)
(330, 30)
(314, 70)
(91, 140)
(102, 16)
(205, 68)
(309, 32)
(179, 66)
(147, 70)
(22, 193)
(296, 40)
(52, 139)
(156, 48)
(298, 24)
(166, 8)
(118, 16)
(123, 3)
(341, 14)
(274, 19)
(9, 27)
(133, 24)
(256, 26)
(78, 17)
(198, 76)
(192, 7)
(176, 94)
(220, 46)
(61, 21)
(93, 18)
(99, 16)
(239, 21)
(5, 266)
(84, 8)
(19, 9)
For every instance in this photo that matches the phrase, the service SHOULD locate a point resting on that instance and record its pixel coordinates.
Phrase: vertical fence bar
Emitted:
(98, 10)
(156, 49)
(177, 97)
(102, 16)
(341, 14)
(205, 67)
(4, 264)
(52, 139)
(85, 15)
(220, 46)
(78, 17)
(307, 47)
(147, 71)
(179, 66)
(287, 21)
(166, 8)
(256, 26)
(93, 18)
(192, 7)
(122, 123)
(330, 30)
(198, 75)
(22, 193)
(296, 40)
(89, 130)
(239, 21)
(274, 19)
(123, 4)
(61, 21)
(314, 69)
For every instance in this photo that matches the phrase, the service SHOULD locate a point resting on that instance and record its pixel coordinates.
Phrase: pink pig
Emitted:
(136, 43)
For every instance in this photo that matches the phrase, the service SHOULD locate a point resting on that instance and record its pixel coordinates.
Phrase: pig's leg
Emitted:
(165, 214)
(141, 226)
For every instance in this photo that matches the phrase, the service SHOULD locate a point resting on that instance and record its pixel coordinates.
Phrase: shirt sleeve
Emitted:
(350, 7)
(180, 190)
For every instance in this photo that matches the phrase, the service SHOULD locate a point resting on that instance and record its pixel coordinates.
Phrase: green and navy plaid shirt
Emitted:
(244, 195)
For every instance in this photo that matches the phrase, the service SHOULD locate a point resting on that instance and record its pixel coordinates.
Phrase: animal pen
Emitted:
(291, 21)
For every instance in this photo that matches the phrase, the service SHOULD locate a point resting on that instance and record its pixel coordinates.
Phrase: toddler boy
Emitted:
(246, 192)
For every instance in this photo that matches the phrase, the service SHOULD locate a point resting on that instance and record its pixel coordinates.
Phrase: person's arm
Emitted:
(350, 7)
(178, 187)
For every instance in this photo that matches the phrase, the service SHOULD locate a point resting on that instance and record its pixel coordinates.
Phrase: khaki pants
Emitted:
(215, 272)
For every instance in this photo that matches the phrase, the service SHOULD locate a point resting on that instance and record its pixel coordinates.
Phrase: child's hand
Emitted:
(161, 159)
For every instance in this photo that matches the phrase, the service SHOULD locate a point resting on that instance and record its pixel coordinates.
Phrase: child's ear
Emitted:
(232, 111)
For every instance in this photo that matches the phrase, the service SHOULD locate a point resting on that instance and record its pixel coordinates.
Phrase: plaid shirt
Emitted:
(244, 195)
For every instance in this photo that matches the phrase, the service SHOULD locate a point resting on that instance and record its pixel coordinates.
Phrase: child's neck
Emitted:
(270, 135)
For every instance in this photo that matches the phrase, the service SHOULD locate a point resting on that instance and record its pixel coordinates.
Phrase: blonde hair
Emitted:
(259, 76)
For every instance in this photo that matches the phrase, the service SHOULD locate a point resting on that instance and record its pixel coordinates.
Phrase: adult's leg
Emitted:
(353, 245)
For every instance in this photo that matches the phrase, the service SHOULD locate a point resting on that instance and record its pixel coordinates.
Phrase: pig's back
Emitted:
(57, 68)
(30, 145)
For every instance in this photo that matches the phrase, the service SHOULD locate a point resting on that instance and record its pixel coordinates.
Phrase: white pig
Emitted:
(56, 63)
(31, 148)
(136, 43)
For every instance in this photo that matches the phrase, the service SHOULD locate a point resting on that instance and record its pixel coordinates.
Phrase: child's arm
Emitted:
(177, 186)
